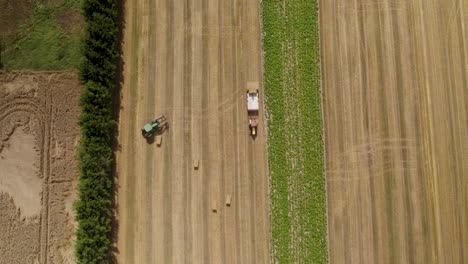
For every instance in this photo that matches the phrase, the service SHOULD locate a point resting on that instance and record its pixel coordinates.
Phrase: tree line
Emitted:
(98, 76)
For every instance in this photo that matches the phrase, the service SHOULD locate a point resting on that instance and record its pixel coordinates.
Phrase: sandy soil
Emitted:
(191, 60)
(19, 158)
(38, 175)
(395, 100)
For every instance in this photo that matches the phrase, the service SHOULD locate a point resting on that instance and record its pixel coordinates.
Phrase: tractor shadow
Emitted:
(159, 132)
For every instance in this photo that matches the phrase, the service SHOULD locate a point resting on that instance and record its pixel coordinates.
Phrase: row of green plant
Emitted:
(98, 74)
(39, 36)
(295, 146)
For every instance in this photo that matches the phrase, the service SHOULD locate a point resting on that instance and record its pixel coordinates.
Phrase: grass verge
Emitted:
(295, 145)
(42, 36)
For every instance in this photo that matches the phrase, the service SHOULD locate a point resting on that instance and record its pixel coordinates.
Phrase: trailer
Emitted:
(252, 106)
(252, 97)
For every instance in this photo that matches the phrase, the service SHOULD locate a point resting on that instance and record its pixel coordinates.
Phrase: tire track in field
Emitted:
(127, 211)
(228, 181)
(204, 132)
(161, 216)
(144, 169)
(224, 85)
(177, 123)
(152, 102)
(188, 233)
(238, 155)
(214, 123)
(168, 227)
(140, 171)
(195, 183)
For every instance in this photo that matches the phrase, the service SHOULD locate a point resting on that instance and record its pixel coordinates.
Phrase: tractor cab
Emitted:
(155, 125)
(253, 127)
(147, 128)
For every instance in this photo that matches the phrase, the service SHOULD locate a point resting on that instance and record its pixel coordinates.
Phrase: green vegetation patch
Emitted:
(295, 145)
(39, 38)
(98, 73)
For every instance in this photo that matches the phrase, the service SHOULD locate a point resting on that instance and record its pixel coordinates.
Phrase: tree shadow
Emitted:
(116, 146)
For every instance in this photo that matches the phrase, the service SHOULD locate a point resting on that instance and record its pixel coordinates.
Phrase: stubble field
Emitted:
(191, 61)
(395, 102)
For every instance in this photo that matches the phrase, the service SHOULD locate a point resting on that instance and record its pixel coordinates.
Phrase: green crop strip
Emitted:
(295, 146)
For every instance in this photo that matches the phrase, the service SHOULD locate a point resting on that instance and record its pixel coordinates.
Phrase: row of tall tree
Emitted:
(98, 75)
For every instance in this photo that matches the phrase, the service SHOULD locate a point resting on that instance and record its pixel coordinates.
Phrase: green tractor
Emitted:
(149, 129)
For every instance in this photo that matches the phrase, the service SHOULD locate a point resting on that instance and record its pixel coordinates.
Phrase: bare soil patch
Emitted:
(70, 20)
(39, 135)
(395, 103)
(13, 12)
(19, 158)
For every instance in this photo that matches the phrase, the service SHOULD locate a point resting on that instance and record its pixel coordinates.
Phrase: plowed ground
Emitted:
(395, 86)
(38, 139)
(191, 60)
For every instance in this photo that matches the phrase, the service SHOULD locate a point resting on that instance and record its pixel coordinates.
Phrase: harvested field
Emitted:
(38, 139)
(395, 93)
(191, 60)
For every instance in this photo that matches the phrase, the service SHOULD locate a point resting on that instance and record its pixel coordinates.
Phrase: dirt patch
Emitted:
(39, 135)
(18, 238)
(70, 20)
(13, 12)
(18, 158)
